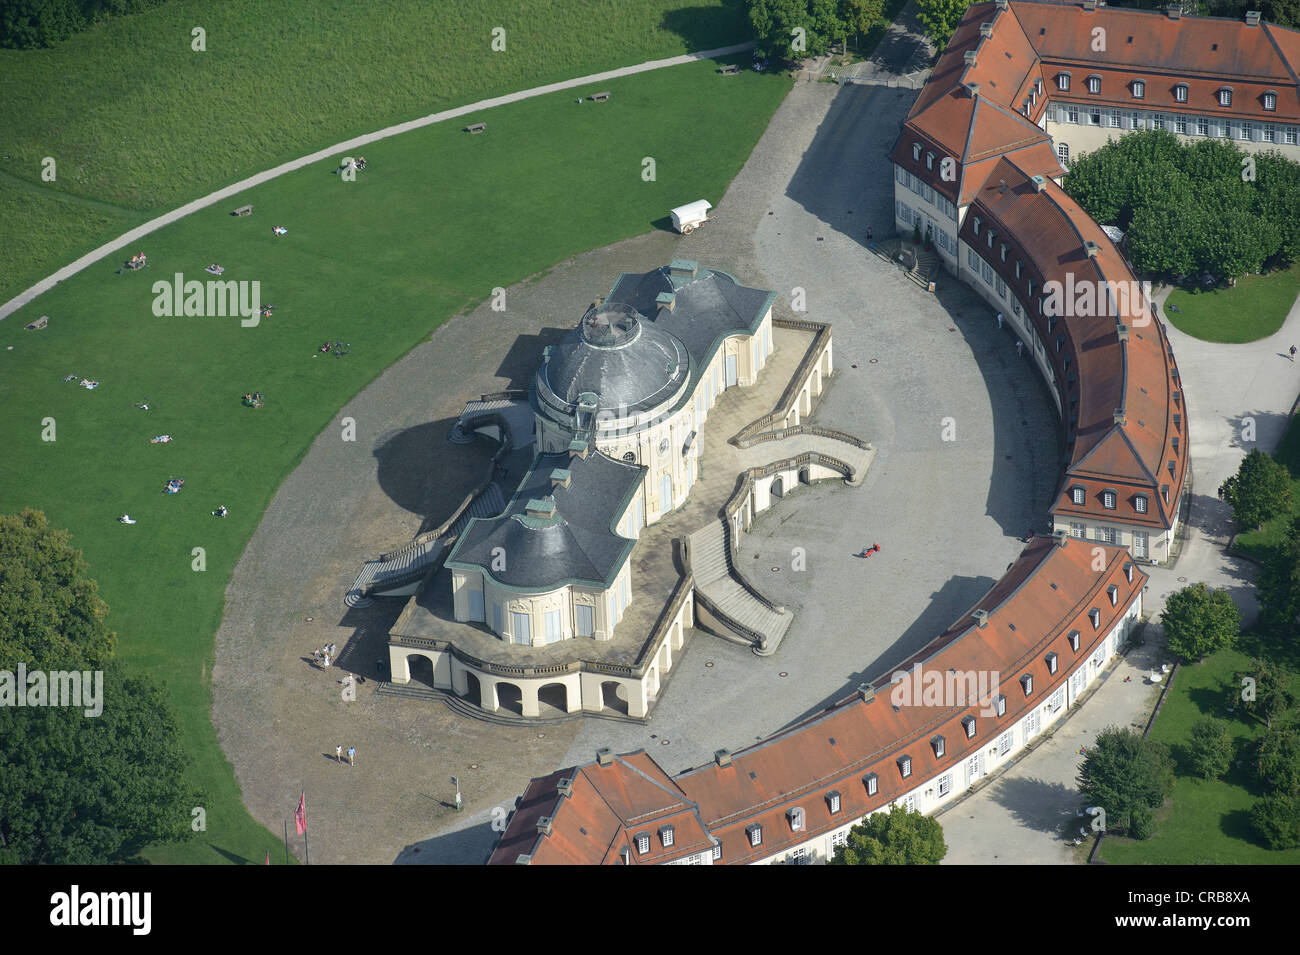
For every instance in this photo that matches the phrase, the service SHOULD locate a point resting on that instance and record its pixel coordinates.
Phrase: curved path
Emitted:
(139, 232)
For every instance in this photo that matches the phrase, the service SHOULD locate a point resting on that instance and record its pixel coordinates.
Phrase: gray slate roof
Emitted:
(577, 544)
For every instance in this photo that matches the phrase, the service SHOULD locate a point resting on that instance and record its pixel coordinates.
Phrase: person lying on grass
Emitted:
(161, 439)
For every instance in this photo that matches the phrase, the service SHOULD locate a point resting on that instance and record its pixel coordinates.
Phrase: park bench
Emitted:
(600, 97)
(243, 211)
(39, 323)
(731, 69)
(476, 128)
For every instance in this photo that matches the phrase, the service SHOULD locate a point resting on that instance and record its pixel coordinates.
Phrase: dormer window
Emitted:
(968, 724)
(929, 160)
(872, 782)
(1180, 93)
(1225, 96)
(1140, 503)
(1128, 571)
(755, 833)
(1113, 593)
(1063, 82)
(1051, 662)
(666, 836)
(1018, 269)
(1095, 616)
(642, 843)
(1000, 705)
(1078, 495)
(795, 816)
(1094, 84)
(1139, 89)
(1031, 289)
(1108, 500)
(1270, 100)
(1004, 251)
(916, 152)
(833, 802)
(990, 234)
(976, 224)
(905, 766)
(937, 744)
(1027, 684)
(1073, 637)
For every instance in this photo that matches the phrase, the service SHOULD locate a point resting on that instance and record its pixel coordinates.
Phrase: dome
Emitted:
(627, 363)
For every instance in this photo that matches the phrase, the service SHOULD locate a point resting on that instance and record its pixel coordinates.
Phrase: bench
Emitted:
(39, 323)
(731, 69)
(600, 97)
(476, 128)
(243, 211)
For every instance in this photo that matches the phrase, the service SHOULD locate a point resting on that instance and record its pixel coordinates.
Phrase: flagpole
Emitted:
(306, 846)
(286, 842)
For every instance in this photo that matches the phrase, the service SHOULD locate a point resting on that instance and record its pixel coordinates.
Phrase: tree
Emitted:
(859, 16)
(1199, 621)
(1279, 584)
(776, 23)
(50, 611)
(1273, 694)
(1277, 762)
(899, 837)
(1276, 818)
(1124, 774)
(1210, 748)
(1259, 490)
(939, 18)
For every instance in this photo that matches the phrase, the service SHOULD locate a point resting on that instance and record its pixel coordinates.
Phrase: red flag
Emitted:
(300, 814)
(268, 857)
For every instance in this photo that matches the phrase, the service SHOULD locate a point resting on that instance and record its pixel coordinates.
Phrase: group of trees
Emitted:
(1128, 775)
(777, 22)
(898, 837)
(1285, 13)
(26, 24)
(78, 789)
(1188, 209)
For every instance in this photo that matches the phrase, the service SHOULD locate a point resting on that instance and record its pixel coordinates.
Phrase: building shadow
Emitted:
(471, 845)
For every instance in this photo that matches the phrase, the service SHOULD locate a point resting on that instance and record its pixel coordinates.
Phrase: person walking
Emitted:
(338, 753)
(1293, 353)
(999, 321)
(1020, 348)
(352, 755)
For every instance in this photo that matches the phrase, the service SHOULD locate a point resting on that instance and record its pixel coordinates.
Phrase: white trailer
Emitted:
(686, 218)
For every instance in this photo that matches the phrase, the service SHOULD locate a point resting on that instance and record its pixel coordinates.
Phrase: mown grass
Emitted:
(437, 220)
(1207, 822)
(1253, 309)
(133, 115)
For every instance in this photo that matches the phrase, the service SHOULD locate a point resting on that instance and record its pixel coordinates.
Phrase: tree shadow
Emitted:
(1041, 805)
(707, 28)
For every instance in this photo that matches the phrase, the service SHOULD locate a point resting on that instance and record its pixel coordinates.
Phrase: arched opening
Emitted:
(420, 668)
(473, 690)
(613, 695)
(553, 696)
(778, 486)
(510, 697)
(804, 476)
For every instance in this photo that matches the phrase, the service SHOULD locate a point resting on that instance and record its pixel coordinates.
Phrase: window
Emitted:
(1290, 135)
(905, 766)
(1057, 701)
(988, 273)
(1139, 89)
(642, 843)
(833, 802)
(553, 631)
(1158, 121)
(929, 160)
(496, 619)
(1180, 125)
(1052, 662)
(1180, 93)
(795, 815)
(968, 724)
(1000, 705)
(1001, 285)
(1018, 265)
(973, 259)
(989, 236)
(755, 833)
(1004, 251)
(1027, 684)
(1225, 97)
(1136, 120)
(1095, 616)
(1094, 117)
(1202, 126)
(974, 768)
(1108, 500)
(1078, 495)
(1063, 82)
(1113, 593)
(1078, 530)
(1032, 725)
(908, 802)
(929, 195)
(717, 852)
(976, 225)
(666, 835)
(1116, 118)
(872, 783)
(1108, 535)
(1073, 112)
(1004, 743)
(1269, 133)
(838, 839)
(1248, 131)
(1074, 640)
(519, 624)
(1063, 153)
(1270, 100)
(800, 856)
(1140, 544)
(916, 152)
(945, 784)
(1094, 84)
(1140, 503)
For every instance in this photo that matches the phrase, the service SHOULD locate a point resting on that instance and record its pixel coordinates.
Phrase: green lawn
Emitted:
(437, 220)
(1259, 544)
(133, 116)
(1253, 309)
(1205, 822)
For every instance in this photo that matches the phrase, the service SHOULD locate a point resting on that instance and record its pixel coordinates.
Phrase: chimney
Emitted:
(1175, 11)
(986, 30)
(604, 756)
(973, 89)
(1252, 18)
(540, 507)
(666, 300)
(1091, 248)
(625, 855)
(546, 355)
(1002, 187)
(561, 477)
(970, 57)
(564, 787)
(867, 692)
(1122, 331)
(722, 757)
(1002, 4)
(577, 449)
(1121, 417)
(524, 860)
(1040, 183)
(1061, 535)
(981, 618)
(683, 267)
(544, 826)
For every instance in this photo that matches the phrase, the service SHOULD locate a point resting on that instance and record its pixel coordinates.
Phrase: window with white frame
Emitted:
(642, 843)
(1072, 111)
(795, 817)
(1269, 133)
(1053, 661)
(908, 802)
(1140, 503)
(833, 802)
(1032, 725)
(1000, 704)
(938, 745)
(1202, 126)
(872, 782)
(1062, 153)
(905, 766)
(666, 835)
(1004, 743)
(1248, 131)
(755, 833)
(1139, 89)
(1108, 500)
(840, 838)
(1063, 82)
(1270, 100)
(945, 784)
(916, 152)
(1078, 495)
(800, 856)
(1094, 116)
(1180, 93)
(1135, 120)
(1290, 135)
(1001, 286)
(973, 259)
(1015, 307)
(1140, 539)
(974, 768)
(1158, 121)
(988, 273)
(929, 160)
(1116, 119)
(929, 195)
(717, 852)
(1094, 84)
(968, 726)
(1027, 684)
(1078, 530)
(1225, 97)
(1057, 701)
(1180, 125)
(900, 175)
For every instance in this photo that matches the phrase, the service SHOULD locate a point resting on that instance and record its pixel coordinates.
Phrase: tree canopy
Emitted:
(1199, 620)
(1127, 775)
(939, 18)
(1260, 490)
(776, 23)
(898, 837)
